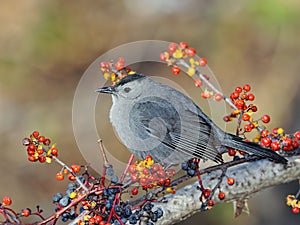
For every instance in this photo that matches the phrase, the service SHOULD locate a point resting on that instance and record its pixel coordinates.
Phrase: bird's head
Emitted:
(129, 87)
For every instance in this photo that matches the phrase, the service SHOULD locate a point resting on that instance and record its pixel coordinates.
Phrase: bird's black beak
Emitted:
(107, 90)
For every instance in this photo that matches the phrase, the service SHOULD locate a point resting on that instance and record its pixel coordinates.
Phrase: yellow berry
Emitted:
(113, 77)
(169, 189)
(48, 160)
(192, 62)
(280, 131)
(131, 73)
(86, 217)
(106, 76)
(73, 194)
(177, 54)
(191, 71)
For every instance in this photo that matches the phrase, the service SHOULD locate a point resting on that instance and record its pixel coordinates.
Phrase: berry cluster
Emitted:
(39, 149)
(115, 71)
(181, 55)
(149, 174)
(191, 167)
(276, 140)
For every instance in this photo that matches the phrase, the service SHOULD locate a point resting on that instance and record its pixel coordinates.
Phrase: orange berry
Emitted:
(230, 181)
(75, 168)
(6, 200)
(221, 195)
(59, 176)
(218, 97)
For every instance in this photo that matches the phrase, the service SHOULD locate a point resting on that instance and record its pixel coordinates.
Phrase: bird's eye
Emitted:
(127, 89)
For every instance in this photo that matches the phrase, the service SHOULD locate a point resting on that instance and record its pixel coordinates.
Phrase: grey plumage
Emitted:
(154, 119)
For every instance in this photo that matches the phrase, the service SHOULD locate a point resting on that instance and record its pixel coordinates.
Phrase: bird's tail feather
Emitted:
(236, 142)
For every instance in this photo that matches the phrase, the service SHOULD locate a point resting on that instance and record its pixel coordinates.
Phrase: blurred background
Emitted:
(45, 47)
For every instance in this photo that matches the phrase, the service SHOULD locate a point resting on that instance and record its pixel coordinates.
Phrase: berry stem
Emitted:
(213, 88)
(70, 170)
(127, 167)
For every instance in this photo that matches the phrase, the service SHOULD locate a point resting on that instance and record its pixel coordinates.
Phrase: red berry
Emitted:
(191, 52)
(218, 97)
(245, 117)
(235, 95)
(119, 65)
(32, 158)
(148, 158)
(266, 141)
(205, 94)
(248, 128)
(132, 168)
(134, 191)
(247, 87)
(244, 96)
(295, 144)
(163, 56)
(274, 131)
(167, 182)
(206, 193)
(275, 145)
(197, 82)
(202, 62)
(91, 221)
(54, 151)
(221, 195)
(288, 142)
(297, 135)
(239, 104)
(6, 200)
(40, 151)
(41, 139)
(172, 48)
(251, 97)
(104, 65)
(155, 167)
(98, 219)
(26, 212)
(266, 118)
(42, 159)
(295, 210)
(26, 141)
(75, 168)
(175, 70)
(146, 171)
(238, 89)
(35, 134)
(230, 181)
(143, 181)
(264, 133)
(47, 141)
(71, 177)
(59, 176)
(254, 108)
(226, 118)
(134, 177)
(231, 151)
(121, 60)
(210, 202)
(183, 44)
(162, 173)
(32, 147)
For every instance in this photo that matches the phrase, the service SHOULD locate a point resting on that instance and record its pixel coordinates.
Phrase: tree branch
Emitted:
(250, 178)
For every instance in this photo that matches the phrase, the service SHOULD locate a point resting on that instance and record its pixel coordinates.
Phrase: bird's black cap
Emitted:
(129, 78)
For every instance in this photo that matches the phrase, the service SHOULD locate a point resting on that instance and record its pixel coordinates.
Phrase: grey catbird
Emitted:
(154, 119)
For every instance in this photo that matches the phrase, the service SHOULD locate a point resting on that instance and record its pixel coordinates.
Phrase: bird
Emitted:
(151, 118)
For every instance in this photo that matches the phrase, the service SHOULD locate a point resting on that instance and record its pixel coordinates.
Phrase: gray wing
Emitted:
(181, 132)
